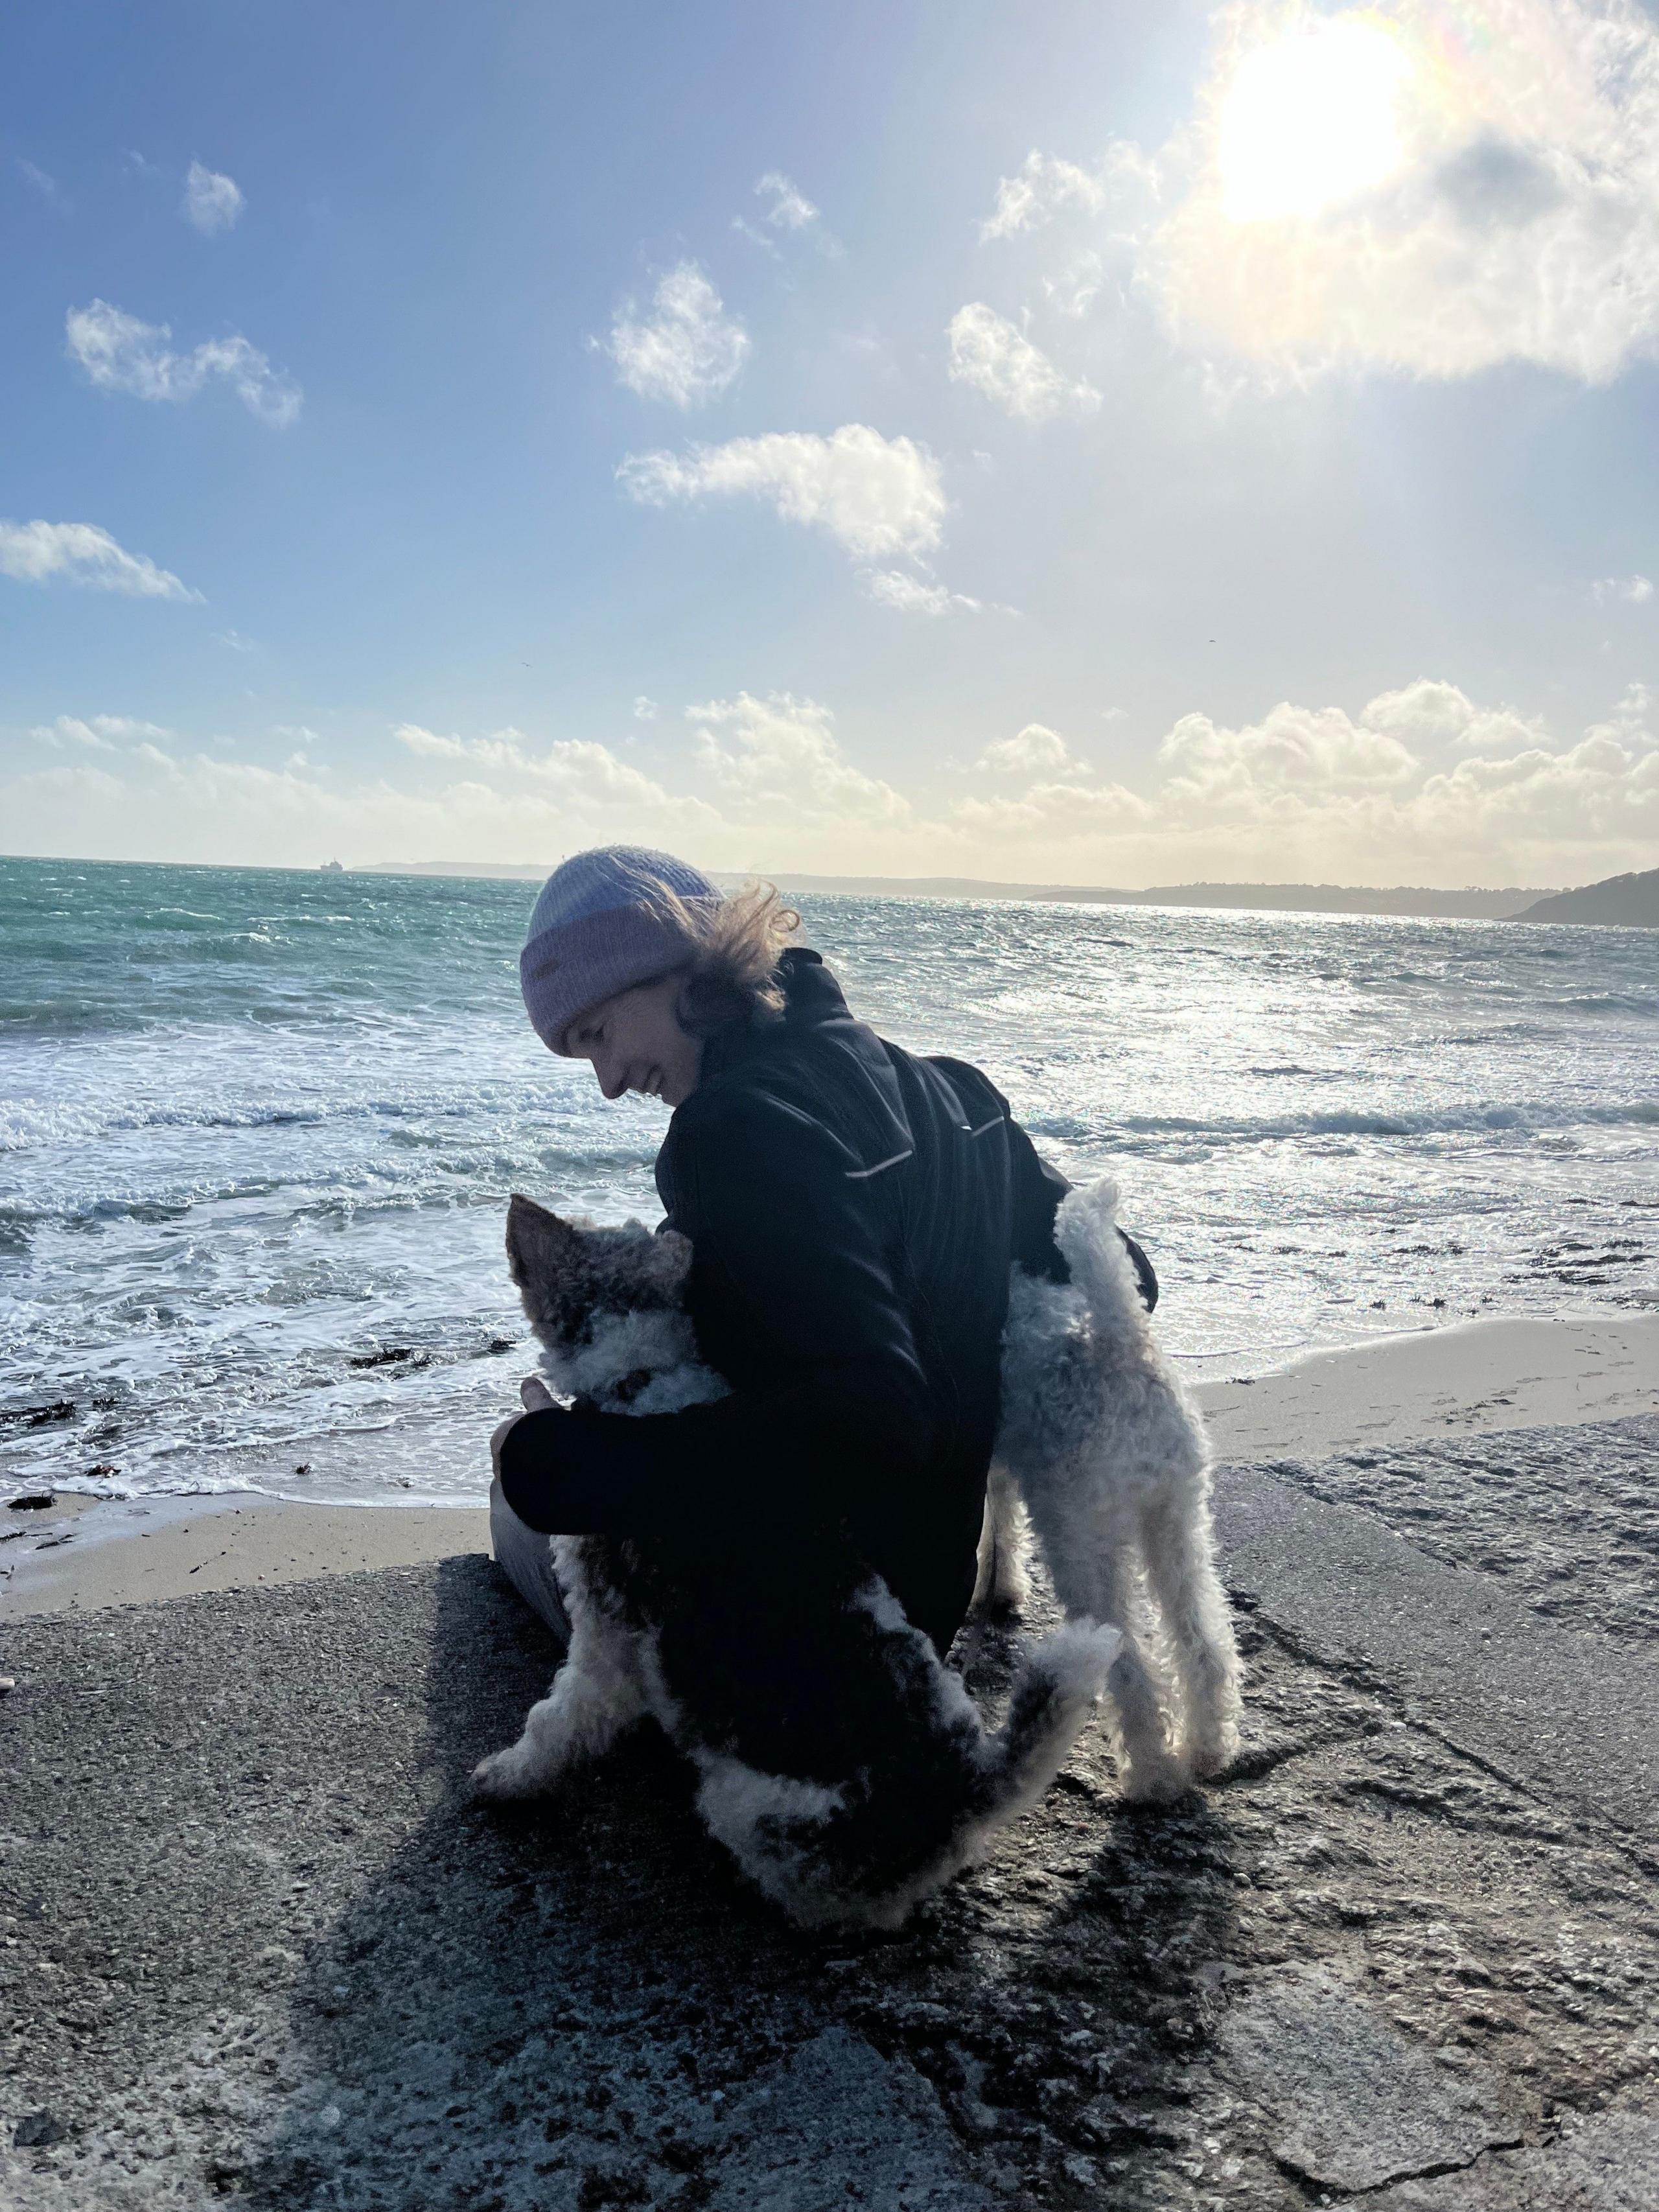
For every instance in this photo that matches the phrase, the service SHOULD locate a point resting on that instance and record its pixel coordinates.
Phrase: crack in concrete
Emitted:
(1369, 1678)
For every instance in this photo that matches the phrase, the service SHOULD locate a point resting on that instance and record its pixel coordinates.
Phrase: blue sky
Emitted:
(1098, 444)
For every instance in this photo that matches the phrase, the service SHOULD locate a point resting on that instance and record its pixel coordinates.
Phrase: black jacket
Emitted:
(853, 1212)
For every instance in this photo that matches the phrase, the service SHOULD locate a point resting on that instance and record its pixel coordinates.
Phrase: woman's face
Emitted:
(635, 1042)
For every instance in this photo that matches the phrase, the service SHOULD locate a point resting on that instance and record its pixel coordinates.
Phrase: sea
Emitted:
(258, 1129)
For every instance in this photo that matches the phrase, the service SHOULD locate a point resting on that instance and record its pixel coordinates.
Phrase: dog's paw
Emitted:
(1214, 1751)
(505, 1775)
(1154, 1778)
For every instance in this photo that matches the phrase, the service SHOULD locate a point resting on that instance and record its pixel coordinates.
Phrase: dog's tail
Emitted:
(867, 1852)
(1087, 1231)
(1059, 1684)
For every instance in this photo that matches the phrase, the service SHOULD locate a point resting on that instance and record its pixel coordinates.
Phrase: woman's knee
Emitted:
(524, 1556)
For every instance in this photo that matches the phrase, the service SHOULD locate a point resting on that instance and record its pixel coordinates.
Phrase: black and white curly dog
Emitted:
(858, 1802)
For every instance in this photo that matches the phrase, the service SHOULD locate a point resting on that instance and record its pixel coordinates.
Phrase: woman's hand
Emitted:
(536, 1398)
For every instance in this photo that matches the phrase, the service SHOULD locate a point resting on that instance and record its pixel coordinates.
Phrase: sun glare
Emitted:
(1309, 119)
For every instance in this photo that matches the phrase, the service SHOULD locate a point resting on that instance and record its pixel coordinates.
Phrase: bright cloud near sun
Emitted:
(1311, 117)
(1034, 750)
(1431, 186)
(992, 355)
(914, 595)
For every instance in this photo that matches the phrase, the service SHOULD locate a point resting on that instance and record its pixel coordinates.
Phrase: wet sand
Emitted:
(1466, 1379)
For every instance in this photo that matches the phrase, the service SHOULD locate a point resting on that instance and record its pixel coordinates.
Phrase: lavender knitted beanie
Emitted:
(597, 929)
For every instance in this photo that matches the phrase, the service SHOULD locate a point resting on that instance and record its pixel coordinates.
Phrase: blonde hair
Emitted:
(736, 944)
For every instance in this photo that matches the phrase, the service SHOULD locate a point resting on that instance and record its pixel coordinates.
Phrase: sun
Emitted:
(1311, 118)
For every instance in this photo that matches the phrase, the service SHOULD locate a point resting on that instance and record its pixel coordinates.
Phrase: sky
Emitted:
(1091, 444)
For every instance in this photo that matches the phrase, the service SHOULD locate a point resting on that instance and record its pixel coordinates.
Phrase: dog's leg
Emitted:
(1001, 1586)
(1180, 1553)
(598, 1693)
(1139, 1701)
(1086, 1530)
(594, 1698)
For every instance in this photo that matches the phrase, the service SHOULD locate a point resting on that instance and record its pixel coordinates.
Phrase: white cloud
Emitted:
(689, 352)
(1055, 815)
(211, 202)
(1291, 749)
(1317, 794)
(1028, 752)
(584, 772)
(1426, 713)
(999, 359)
(96, 732)
(38, 180)
(876, 496)
(427, 743)
(645, 709)
(1073, 289)
(1035, 196)
(121, 354)
(1426, 186)
(790, 210)
(1599, 792)
(910, 595)
(34, 551)
(1626, 590)
(71, 730)
(778, 757)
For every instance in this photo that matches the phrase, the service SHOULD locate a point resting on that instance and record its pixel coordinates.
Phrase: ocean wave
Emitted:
(27, 1125)
(1643, 1004)
(1448, 1120)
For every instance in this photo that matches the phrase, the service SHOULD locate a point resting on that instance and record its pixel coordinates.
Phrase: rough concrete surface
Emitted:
(1564, 1520)
(260, 1945)
(1348, 2099)
(1569, 1711)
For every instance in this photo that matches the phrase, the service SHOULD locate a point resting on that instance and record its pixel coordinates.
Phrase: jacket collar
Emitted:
(811, 997)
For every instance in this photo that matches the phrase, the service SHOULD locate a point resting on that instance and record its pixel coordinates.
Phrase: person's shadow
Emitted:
(559, 2004)
(521, 1996)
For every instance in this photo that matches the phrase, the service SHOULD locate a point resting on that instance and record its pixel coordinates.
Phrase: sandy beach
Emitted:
(84, 1553)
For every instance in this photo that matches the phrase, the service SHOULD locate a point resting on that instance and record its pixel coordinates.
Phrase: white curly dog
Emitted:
(1100, 1455)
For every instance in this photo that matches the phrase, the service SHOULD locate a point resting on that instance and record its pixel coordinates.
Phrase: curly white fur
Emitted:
(1101, 1449)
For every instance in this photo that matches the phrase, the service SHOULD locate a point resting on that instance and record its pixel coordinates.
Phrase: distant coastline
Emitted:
(1473, 904)
(1624, 901)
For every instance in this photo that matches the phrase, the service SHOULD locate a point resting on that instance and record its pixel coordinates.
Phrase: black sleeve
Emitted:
(1037, 1189)
(797, 1238)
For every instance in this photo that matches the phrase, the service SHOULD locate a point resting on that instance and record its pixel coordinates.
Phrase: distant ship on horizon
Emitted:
(331, 868)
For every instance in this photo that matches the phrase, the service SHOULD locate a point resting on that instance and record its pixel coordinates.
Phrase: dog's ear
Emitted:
(541, 1250)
